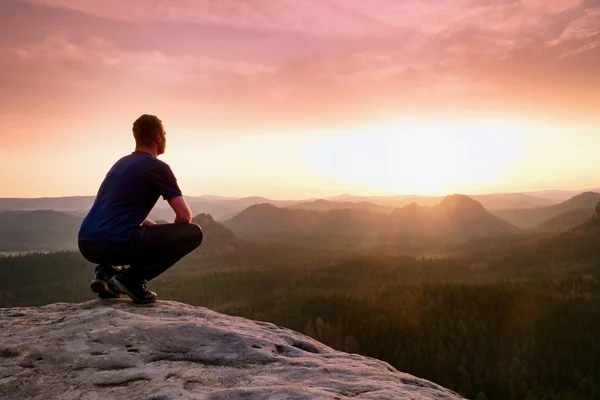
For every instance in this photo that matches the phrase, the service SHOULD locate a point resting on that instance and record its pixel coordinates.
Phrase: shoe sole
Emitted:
(101, 289)
(123, 289)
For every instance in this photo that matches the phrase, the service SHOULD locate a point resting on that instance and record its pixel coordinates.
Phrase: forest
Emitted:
(513, 319)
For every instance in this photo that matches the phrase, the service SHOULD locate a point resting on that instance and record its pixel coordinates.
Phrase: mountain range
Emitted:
(320, 222)
(48, 230)
(268, 222)
(328, 205)
(456, 217)
(554, 218)
(224, 208)
(38, 230)
(489, 201)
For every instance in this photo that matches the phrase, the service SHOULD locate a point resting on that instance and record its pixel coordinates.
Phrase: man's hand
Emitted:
(147, 222)
(182, 220)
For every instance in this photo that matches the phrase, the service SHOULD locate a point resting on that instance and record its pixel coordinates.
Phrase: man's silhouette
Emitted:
(116, 231)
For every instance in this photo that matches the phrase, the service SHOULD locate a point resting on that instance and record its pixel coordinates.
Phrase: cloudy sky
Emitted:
(299, 98)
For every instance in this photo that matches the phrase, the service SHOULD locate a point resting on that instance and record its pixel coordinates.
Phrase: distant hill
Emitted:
(455, 217)
(542, 251)
(565, 221)
(71, 203)
(268, 222)
(217, 237)
(591, 226)
(219, 207)
(558, 196)
(389, 201)
(579, 243)
(38, 230)
(326, 205)
(47, 230)
(224, 208)
(489, 201)
(512, 201)
(534, 217)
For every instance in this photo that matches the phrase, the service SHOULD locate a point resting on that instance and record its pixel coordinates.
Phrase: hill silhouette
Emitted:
(591, 226)
(68, 203)
(533, 217)
(455, 217)
(218, 207)
(492, 201)
(48, 230)
(486, 325)
(38, 230)
(565, 221)
(268, 222)
(217, 237)
(224, 208)
(327, 205)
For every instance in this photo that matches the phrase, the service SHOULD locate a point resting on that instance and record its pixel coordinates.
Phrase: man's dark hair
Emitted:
(144, 129)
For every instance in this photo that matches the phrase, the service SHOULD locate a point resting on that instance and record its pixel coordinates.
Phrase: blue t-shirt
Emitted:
(127, 195)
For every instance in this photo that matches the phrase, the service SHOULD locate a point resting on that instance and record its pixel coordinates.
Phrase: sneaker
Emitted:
(136, 290)
(102, 285)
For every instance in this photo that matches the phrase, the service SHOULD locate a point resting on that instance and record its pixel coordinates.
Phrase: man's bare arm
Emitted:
(183, 214)
(148, 222)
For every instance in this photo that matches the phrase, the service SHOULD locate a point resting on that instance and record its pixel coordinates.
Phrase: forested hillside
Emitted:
(519, 321)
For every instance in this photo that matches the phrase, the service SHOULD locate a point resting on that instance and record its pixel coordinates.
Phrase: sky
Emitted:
(303, 98)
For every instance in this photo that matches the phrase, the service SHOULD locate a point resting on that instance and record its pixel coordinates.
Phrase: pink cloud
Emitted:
(551, 6)
(583, 49)
(413, 25)
(409, 13)
(58, 49)
(580, 36)
(314, 17)
(389, 55)
(101, 51)
(586, 26)
(481, 46)
(439, 16)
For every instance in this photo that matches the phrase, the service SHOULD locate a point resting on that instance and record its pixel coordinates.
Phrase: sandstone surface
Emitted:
(106, 349)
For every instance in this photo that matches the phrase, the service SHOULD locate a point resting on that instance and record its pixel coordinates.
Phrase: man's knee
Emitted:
(196, 235)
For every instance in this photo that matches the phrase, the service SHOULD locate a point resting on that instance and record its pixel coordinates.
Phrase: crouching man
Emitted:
(116, 231)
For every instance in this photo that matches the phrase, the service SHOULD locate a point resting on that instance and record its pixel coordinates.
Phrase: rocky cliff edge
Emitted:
(115, 350)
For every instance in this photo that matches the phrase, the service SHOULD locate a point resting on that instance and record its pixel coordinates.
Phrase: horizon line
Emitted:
(595, 189)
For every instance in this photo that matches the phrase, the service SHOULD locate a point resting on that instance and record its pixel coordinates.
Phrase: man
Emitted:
(116, 231)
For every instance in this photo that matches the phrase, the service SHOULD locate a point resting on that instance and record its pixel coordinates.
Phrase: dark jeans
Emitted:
(150, 252)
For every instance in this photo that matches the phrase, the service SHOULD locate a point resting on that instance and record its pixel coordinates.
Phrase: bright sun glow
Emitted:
(420, 157)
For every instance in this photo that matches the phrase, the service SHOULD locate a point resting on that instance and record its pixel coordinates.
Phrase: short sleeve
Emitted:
(165, 181)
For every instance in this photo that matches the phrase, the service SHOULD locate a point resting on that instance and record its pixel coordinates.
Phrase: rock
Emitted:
(106, 349)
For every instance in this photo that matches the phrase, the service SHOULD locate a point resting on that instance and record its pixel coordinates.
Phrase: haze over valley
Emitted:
(51, 224)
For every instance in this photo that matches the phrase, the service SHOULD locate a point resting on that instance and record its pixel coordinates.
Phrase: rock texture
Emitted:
(115, 350)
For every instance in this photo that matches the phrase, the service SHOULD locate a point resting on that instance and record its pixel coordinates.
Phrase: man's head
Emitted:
(149, 133)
